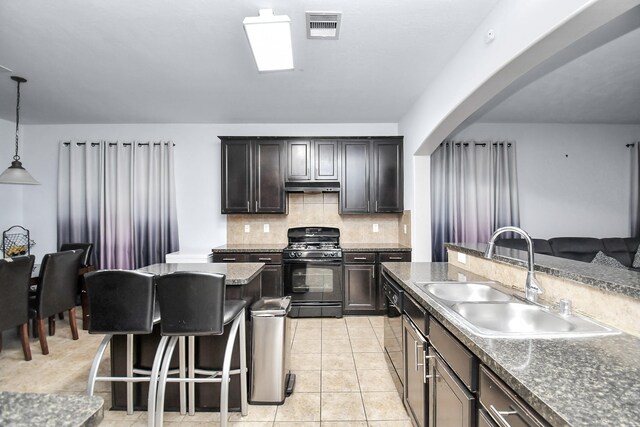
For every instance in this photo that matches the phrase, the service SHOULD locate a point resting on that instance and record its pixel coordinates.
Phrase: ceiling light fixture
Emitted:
(270, 39)
(16, 174)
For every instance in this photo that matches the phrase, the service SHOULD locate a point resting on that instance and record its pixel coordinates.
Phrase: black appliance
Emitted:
(394, 297)
(313, 272)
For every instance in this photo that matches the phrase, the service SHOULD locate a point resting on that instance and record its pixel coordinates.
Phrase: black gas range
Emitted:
(313, 271)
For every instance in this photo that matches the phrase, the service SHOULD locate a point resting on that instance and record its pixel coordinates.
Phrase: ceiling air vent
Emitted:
(323, 25)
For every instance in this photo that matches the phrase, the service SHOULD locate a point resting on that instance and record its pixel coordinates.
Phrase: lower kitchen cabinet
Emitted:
(450, 402)
(360, 294)
(272, 285)
(271, 274)
(415, 376)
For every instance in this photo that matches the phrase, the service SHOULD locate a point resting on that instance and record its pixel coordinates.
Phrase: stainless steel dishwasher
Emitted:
(271, 381)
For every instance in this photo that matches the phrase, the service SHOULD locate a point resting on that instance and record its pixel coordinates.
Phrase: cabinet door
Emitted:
(325, 160)
(359, 288)
(236, 176)
(450, 403)
(415, 387)
(355, 191)
(298, 160)
(387, 176)
(269, 177)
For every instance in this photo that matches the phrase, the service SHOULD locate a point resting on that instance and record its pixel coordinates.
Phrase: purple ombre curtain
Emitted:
(121, 197)
(474, 190)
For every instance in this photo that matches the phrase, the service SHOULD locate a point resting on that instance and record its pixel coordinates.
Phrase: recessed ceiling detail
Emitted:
(323, 25)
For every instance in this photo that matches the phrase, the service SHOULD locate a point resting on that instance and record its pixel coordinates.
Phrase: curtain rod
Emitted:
(484, 144)
(126, 144)
(630, 145)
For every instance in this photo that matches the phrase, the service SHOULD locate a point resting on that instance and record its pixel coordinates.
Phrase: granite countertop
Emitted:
(574, 381)
(35, 409)
(239, 247)
(236, 274)
(374, 247)
(617, 280)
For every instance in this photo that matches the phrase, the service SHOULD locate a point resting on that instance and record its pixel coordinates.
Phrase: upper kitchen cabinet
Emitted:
(253, 176)
(312, 160)
(372, 176)
(387, 177)
(355, 192)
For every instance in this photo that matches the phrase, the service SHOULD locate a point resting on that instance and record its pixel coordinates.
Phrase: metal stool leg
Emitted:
(192, 366)
(243, 366)
(181, 371)
(162, 379)
(226, 368)
(91, 384)
(153, 381)
(129, 374)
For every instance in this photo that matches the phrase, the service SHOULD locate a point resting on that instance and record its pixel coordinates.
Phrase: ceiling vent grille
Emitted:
(323, 25)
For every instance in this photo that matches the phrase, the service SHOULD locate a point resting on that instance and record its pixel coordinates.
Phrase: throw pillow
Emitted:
(602, 259)
(636, 259)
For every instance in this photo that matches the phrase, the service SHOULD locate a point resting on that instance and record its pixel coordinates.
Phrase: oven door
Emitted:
(316, 281)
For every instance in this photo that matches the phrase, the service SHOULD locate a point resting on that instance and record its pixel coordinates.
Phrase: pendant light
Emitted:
(16, 174)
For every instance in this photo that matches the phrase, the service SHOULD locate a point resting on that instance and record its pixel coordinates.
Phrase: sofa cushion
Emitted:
(540, 246)
(576, 248)
(602, 259)
(616, 247)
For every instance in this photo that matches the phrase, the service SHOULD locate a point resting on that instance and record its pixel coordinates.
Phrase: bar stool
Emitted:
(123, 303)
(193, 304)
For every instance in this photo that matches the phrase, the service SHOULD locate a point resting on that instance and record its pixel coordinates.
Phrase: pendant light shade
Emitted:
(16, 174)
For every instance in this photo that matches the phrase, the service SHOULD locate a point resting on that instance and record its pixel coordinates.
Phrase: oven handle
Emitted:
(312, 261)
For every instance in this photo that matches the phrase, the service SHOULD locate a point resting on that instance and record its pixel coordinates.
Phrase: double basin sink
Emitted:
(489, 312)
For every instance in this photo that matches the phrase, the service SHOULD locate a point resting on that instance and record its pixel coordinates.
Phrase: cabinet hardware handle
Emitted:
(416, 354)
(264, 259)
(373, 273)
(368, 210)
(376, 206)
(256, 206)
(499, 416)
(248, 206)
(360, 258)
(426, 366)
(395, 257)
(228, 259)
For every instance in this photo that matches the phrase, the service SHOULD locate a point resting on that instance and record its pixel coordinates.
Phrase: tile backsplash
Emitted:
(319, 209)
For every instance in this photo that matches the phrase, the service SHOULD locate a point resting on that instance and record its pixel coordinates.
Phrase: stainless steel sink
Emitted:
(522, 320)
(464, 292)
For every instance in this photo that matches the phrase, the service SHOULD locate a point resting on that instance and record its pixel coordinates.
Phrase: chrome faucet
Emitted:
(532, 288)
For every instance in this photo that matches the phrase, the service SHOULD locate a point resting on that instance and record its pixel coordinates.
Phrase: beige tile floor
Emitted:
(341, 377)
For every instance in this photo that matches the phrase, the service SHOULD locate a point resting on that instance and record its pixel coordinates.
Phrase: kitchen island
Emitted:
(243, 281)
(584, 381)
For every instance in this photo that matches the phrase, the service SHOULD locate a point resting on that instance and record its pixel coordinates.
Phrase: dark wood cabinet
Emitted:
(415, 376)
(236, 176)
(253, 176)
(450, 402)
(372, 176)
(388, 176)
(271, 279)
(312, 160)
(271, 274)
(360, 293)
(355, 191)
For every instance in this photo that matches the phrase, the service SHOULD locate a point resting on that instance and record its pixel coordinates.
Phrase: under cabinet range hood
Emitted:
(311, 187)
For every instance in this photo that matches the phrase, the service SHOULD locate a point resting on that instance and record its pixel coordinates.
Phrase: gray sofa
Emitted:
(581, 248)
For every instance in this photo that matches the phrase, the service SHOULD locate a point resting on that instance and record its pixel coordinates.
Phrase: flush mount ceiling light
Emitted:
(16, 174)
(270, 39)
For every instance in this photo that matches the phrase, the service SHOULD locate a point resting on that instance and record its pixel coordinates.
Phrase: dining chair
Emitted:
(55, 293)
(85, 262)
(15, 274)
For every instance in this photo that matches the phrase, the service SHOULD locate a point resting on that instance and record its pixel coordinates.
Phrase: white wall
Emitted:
(10, 195)
(574, 179)
(200, 223)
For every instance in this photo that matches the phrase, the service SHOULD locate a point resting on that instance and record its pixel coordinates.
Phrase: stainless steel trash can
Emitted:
(271, 381)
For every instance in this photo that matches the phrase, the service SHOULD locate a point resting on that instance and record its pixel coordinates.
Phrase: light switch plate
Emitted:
(462, 258)
(404, 226)
(247, 228)
(375, 228)
(265, 228)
